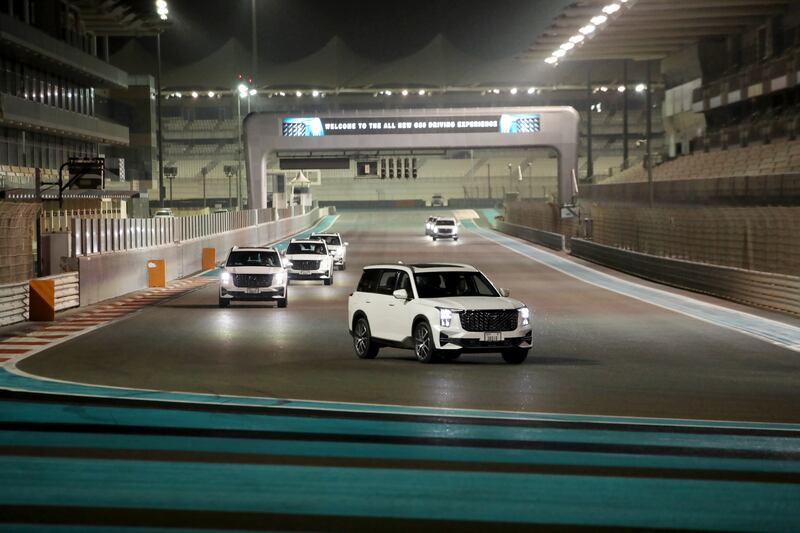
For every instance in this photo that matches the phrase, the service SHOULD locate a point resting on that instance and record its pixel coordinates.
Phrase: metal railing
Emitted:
(60, 221)
(102, 235)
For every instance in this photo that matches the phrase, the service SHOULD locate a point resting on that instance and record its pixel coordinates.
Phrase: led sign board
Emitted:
(320, 127)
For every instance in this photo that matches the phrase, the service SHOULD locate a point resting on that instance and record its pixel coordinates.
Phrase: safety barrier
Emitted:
(115, 272)
(762, 289)
(13, 303)
(545, 238)
(61, 221)
(68, 290)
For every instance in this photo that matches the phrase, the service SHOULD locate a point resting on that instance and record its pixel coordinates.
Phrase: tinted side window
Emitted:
(387, 281)
(369, 280)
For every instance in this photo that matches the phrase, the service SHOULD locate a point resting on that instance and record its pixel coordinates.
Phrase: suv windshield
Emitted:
(448, 284)
(445, 223)
(255, 258)
(332, 240)
(316, 248)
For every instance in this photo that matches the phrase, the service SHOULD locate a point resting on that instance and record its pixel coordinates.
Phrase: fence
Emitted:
(762, 289)
(61, 221)
(17, 230)
(97, 235)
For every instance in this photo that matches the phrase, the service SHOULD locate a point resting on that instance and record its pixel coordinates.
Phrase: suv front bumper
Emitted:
(457, 339)
(311, 274)
(275, 292)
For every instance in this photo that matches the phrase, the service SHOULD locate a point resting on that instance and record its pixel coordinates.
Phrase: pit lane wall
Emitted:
(110, 274)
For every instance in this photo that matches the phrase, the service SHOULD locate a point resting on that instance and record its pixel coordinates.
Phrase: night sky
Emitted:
(379, 30)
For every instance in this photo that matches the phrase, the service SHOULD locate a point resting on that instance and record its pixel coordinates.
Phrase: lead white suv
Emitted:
(336, 247)
(310, 259)
(439, 311)
(444, 228)
(253, 274)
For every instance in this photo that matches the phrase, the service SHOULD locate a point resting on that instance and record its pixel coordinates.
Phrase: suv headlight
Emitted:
(445, 317)
(525, 316)
(226, 277)
(279, 278)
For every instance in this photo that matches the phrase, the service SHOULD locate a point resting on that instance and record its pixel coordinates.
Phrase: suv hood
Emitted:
(253, 270)
(474, 302)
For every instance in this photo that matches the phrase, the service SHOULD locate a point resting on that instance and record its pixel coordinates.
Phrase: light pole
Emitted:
(245, 90)
(163, 11)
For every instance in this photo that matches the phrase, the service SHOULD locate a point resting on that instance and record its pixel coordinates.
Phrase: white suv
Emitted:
(439, 311)
(444, 228)
(310, 259)
(253, 274)
(336, 247)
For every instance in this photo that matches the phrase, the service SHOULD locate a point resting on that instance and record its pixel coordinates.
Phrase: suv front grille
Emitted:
(252, 280)
(494, 320)
(303, 264)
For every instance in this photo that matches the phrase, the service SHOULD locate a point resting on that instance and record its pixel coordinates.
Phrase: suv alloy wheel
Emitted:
(423, 343)
(362, 340)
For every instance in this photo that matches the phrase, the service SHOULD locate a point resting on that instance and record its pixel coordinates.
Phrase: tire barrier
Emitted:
(537, 236)
(778, 292)
(13, 303)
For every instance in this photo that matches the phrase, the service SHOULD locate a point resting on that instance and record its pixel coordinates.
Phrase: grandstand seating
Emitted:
(754, 160)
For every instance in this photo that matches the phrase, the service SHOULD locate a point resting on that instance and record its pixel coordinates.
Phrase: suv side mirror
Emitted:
(505, 293)
(400, 294)
(287, 264)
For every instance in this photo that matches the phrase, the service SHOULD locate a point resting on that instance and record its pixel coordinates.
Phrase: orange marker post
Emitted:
(209, 258)
(156, 273)
(42, 300)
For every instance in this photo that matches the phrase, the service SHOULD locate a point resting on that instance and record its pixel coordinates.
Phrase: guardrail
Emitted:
(545, 238)
(762, 289)
(13, 303)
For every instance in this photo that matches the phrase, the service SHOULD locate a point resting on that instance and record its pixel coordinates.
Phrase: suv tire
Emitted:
(329, 281)
(515, 356)
(362, 340)
(283, 302)
(224, 302)
(423, 343)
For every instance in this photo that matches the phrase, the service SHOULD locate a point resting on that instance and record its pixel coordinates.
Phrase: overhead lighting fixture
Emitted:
(298, 94)
(603, 89)
(404, 92)
(551, 60)
(513, 90)
(282, 93)
(421, 92)
(588, 29)
(178, 95)
(559, 53)
(599, 19)
(611, 9)
(567, 46)
(531, 90)
(621, 89)
(194, 94)
(640, 88)
(575, 39)
(163, 16)
(315, 93)
(495, 91)
(242, 88)
(211, 94)
(388, 93)
(252, 92)
(161, 3)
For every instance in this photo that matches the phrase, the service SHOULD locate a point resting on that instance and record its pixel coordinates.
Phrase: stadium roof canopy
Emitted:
(649, 29)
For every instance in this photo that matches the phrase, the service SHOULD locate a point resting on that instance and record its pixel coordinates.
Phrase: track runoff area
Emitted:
(638, 407)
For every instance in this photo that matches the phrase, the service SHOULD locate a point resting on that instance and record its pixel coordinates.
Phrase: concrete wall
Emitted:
(109, 275)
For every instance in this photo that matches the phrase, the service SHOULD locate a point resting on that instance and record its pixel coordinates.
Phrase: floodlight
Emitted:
(551, 60)
(211, 94)
(298, 94)
(640, 88)
(532, 90)
(404, 92)
(621, 89)
(586, 30)
(575, 39)
(567, 46)
(242, 88)
(611, 8)
(252, 92)
(559, 53)
(513, 90)
(194, 94)
(421, 92)
(314, 93)
(388, 93)
(599, 19)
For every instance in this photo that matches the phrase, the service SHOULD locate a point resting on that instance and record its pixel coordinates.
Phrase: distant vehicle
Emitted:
(429, 225)
(445, 228)
(310, 259)
(438, 310)
(437, 200)
(336, 247)
(164, 212)
(219, 210)
(254, 274)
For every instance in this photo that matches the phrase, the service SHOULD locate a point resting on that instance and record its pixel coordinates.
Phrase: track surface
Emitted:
(596, 351)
